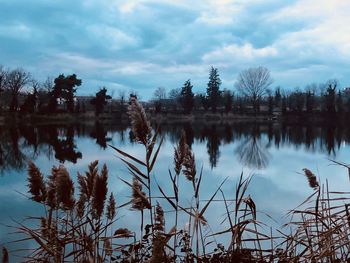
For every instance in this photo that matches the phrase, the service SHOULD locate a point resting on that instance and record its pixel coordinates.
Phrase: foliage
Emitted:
(187, 97)
(213, 89)
(64, 89)
(100, 100)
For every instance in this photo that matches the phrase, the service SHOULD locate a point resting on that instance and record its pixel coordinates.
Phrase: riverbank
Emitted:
(174, 117)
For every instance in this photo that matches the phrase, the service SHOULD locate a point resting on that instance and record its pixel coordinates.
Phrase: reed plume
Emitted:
(180, 153)
(36, 184)
(189, 165)
(123, 233)
(159, 224)
(80, 206)
(159, 240)
(90, 176)
(313, 183)
(139, 199)
(111, 207)
(65, 189)
(51, 189)
(100, 192)
(140, 126)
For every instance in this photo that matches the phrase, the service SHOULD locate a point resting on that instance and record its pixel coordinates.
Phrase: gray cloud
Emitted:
(143, 44)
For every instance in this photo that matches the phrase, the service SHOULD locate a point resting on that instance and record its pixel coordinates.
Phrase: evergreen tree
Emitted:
(204, 100)
(100, 100)
(64, 88)
(213, 90)
(187, 97)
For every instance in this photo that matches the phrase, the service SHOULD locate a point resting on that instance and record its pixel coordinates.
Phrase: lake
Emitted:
(274, 153)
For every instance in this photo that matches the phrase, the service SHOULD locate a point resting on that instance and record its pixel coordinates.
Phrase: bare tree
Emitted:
(253, 83)
(159, 95)
(48, 84)
(16, 81)
(174, 97)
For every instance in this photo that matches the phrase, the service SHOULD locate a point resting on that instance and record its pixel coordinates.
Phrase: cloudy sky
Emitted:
(143, 44)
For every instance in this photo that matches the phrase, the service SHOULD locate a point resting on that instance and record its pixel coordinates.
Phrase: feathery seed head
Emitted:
(65, 189)
(140, 126)
(311, 178)
(36, 184)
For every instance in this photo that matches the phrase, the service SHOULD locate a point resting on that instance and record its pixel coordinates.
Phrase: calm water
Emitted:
(274, 153)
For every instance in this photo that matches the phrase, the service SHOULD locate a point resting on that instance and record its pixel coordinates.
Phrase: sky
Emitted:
(139, 45)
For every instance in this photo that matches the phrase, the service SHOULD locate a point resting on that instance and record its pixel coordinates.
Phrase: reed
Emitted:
(79, 221)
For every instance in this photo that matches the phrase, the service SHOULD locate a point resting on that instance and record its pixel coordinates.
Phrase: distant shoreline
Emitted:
(219, 117)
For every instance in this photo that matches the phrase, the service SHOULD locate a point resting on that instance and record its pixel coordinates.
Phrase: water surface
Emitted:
(274, 154)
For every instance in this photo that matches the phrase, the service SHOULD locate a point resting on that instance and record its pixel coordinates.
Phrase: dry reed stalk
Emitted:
(141, 127)
(64, 189)
(36, 184)
(179, 153)
(111, 208)
(51, 189)
(311, 179)
(5, 255)
(99, 193)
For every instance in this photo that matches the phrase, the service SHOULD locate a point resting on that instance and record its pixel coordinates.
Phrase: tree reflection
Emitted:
(11, 155)
(19, 143)
(213, 146)
(251, 153)
(100, 134)
(64, 146)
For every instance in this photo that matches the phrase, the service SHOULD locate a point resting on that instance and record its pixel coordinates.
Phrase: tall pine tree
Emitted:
(213, 90)
(187, 96)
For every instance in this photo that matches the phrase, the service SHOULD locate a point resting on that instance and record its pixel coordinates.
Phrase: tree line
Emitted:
(252, 94)
(20, 92)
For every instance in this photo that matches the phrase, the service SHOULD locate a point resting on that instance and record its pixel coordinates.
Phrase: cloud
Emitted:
(144, 44)
(231, 53)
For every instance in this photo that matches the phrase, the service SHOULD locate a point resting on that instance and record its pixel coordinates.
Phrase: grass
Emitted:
(79, 223)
